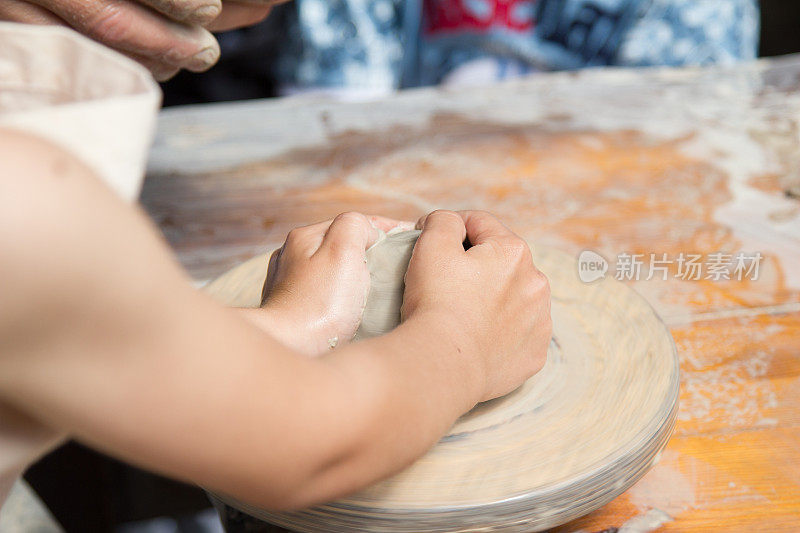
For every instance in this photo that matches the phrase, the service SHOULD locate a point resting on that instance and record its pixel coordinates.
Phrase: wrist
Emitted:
(445, 332)
(292, 333)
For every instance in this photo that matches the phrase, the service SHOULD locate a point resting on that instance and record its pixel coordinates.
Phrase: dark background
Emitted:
(780, 27)
(87, 491)
(245, 73)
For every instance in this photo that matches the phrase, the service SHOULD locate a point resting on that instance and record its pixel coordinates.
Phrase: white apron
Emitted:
(96, 104)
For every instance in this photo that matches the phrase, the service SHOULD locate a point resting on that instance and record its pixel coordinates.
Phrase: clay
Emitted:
(387, 260)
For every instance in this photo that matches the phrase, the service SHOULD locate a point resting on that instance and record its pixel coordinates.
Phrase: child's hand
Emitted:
(496, 302)
(317, 282)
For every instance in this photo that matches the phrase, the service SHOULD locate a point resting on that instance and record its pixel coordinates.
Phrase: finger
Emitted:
(303, 242)
(258, 2)
(272, 272)
(159, 70)
(133, 28)
(27, 13)
(482, 226)
(270, 3)
(421, 220)
(350, 233)
(189, 11)
(487, 234)
(239, 15)
(443, 230)
(388, 224)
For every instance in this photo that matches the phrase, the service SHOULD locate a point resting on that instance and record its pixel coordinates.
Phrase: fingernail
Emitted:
(204, 59)
(206, 13)
(405, 225)
(164, 74)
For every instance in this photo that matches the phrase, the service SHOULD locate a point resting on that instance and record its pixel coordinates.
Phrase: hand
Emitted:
(491, 295)
(317, 282)
(163, 35)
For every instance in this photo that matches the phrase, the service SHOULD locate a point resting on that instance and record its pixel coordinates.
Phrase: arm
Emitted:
(102, 335)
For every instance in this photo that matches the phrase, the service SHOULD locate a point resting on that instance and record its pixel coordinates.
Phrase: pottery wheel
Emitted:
(565, 443)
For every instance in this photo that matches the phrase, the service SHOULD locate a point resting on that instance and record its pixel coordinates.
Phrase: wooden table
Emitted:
(618, 162)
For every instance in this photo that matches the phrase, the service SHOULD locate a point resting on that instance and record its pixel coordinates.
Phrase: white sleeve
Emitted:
(92, 101)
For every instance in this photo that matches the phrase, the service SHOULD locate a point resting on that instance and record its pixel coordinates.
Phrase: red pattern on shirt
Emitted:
(445, 16)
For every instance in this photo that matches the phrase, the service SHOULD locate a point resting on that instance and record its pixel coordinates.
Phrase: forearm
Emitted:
(210, 399)
(403, 391)
(307, 337)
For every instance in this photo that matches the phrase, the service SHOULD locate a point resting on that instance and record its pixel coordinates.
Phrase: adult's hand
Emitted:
(164, 35)
(317, 282)
(494, 298)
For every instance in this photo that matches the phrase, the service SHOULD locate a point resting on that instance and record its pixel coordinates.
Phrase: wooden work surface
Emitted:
(636, 162)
